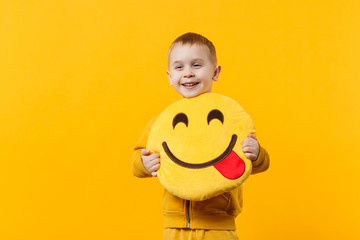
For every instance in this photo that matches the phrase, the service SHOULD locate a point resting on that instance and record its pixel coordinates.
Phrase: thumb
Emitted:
(145, 152)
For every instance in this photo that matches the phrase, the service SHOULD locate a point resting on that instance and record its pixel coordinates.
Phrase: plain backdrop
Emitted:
(80, 79)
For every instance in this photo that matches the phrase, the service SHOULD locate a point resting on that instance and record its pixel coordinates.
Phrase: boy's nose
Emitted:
(188, 74)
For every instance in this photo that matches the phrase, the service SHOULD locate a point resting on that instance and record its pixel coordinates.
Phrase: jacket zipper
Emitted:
(188, 213)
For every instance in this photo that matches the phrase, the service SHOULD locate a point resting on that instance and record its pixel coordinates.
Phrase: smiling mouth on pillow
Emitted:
(229, 164)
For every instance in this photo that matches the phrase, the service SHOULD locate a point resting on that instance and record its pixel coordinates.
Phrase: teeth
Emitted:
(189, 84)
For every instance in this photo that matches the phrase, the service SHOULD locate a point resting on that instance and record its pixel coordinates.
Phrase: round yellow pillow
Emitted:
(200, 144)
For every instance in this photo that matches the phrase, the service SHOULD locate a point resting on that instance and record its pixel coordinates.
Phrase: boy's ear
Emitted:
(217, 72)
(169, 77)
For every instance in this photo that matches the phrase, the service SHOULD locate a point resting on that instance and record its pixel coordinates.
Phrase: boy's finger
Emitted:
(250, 156)
(252, 136)
(246, 149)
(249, 150)
(145, 152)
(152, 157)
(156, 155)
(249, 142)
(155, 167)
(245, 142)
(155, 160)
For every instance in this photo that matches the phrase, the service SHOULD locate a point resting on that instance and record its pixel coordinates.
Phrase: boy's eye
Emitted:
(178, 67)
(197, 65)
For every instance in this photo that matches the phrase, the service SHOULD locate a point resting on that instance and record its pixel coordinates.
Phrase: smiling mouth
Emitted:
(190, 84)
(205, 164)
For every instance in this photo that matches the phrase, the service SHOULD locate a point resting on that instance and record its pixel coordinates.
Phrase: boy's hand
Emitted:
(151, 161)
(251, 147)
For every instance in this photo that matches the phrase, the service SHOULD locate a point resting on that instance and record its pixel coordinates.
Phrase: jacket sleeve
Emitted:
(136, 161)
(262, 163)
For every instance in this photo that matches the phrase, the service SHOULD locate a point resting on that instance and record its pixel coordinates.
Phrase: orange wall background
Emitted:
(80, 79)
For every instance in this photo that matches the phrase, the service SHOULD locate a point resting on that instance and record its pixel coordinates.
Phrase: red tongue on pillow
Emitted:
(231, 167)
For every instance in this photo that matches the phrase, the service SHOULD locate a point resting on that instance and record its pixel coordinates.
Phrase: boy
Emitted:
(192, 68)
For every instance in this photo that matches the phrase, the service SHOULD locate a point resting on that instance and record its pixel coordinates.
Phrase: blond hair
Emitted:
(195, 39)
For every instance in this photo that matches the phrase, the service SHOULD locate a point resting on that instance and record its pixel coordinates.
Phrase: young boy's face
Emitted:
(191, 71)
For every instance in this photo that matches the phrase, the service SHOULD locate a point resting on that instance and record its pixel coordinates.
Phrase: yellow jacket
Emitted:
(215, 213)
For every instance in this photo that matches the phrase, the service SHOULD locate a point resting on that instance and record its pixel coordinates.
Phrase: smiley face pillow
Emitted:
(200, 144)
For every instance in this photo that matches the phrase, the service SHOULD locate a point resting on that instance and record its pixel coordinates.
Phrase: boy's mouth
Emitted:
(189, 84)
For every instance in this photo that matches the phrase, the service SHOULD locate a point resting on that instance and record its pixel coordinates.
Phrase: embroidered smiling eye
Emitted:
(215, 114)
(180, 117)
